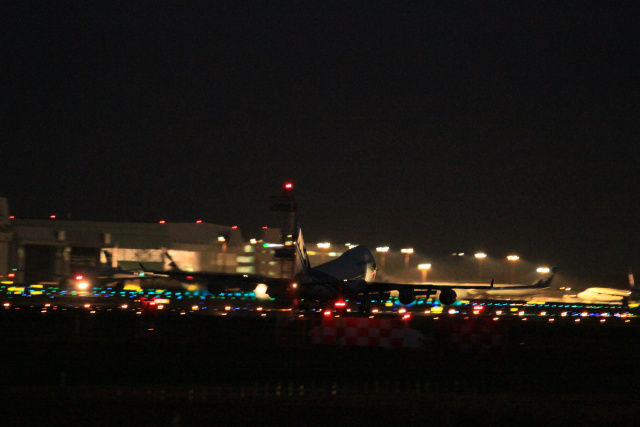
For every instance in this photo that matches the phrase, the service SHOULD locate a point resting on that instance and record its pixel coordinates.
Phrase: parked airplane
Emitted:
(610, 295)
(214, 282)
(108, 275)
(512, 291)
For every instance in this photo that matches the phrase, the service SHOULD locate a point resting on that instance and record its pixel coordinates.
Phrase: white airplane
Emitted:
(513, 291)
(610, 295)
(351, 276)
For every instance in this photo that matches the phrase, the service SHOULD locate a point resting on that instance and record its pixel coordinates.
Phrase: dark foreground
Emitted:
(110, 368)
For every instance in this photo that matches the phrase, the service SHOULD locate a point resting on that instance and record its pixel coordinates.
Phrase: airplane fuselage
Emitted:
(344, 276)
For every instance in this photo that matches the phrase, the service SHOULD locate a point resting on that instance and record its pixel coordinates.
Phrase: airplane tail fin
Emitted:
(172, 263)
(546, 282)
(112, 259)
(108, 259)
(301, 251)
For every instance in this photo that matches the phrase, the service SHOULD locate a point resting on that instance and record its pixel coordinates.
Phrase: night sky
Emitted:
(460, 127)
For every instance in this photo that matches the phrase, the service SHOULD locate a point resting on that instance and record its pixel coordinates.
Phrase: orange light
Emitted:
(162, 221)
(11, 275)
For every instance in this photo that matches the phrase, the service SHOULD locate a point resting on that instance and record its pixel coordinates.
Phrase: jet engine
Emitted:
(448, 296)
(407, 296)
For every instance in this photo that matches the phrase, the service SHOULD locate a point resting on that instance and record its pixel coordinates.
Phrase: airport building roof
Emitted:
(184, 236)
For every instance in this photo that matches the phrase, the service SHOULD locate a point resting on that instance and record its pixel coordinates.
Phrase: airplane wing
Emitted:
(540, 284)
(407, 292)
(217, 282)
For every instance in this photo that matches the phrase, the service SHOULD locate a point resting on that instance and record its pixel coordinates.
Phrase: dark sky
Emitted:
(506, 128)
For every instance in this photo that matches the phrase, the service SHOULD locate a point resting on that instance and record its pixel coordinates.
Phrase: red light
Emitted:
(265, 227)
(406, 316)
(79, 277)
(234, 227)
(199, 221)
(478, 307)
(162, 221)
(288, 186)
(52, 216)
(11, 275)
(189, 277)
(341, 304)
(12, 217)
(327, 313)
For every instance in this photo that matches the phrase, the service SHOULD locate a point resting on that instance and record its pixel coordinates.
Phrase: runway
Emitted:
(97, 355)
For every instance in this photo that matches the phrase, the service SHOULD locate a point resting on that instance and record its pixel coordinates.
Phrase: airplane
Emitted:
(213, 282)
(611, 295)
(348, 277)
(108, 275)
(513, 290)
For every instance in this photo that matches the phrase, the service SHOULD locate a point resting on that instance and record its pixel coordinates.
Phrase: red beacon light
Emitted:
(340, 304)
(52, 216)
(79, 277)
(288, 186)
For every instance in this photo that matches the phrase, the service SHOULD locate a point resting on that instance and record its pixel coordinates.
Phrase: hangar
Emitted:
(49, 250)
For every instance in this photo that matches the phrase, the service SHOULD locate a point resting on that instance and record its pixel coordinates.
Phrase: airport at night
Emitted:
(124, 315)
(320, 214)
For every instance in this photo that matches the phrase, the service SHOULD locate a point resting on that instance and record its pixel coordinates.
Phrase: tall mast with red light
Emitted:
(287, 206)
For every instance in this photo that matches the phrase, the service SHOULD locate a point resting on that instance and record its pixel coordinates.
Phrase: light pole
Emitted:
(424, 268)
(458, 260)
(222, 240)
(382, 250)
(480, 256)
(513, 259)
(324, 246)
(407, 253)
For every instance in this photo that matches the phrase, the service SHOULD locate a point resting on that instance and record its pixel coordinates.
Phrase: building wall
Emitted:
(5, 245)
(48, 249)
